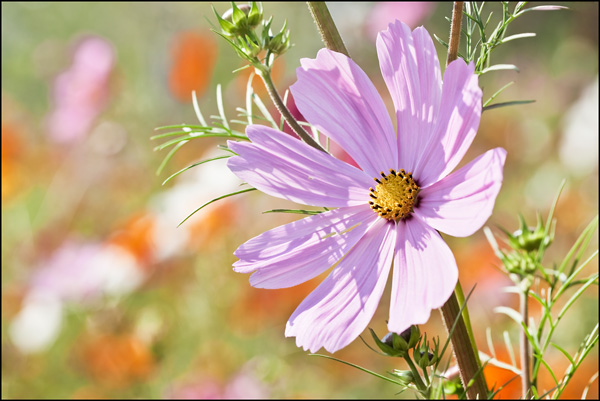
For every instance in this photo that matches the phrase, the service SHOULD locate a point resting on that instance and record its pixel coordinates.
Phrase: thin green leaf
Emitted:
(518, 36)
(492, 396)
(543, 245)
(249, 92)
(296, 211)
(173, 133)
(220, 106)
(495, 362)
(510, 312)
(168, 157)
(187, 138)
(544, 8)
(181, 126)
(583, 247)
(441, 41)
(281, 119)
(576, 296)
(549, 369)
(497, 93)
(584, 237)
(199, 115)
(194, 165)
(564, 352)
(500, 67)
(359, 368)
(509, 347)
(214, 200)
(504, 104)
(264, 110)
(490, 342)
(589, 385)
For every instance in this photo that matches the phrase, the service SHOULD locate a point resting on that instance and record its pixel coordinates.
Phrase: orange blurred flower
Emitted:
(12, 148)
(117, 360)
(136, 236)
(194, 56)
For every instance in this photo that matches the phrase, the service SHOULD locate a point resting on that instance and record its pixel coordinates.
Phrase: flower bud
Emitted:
(405, 376)
(529, 239)
(392, 344)
(240, 20)
(279, 43)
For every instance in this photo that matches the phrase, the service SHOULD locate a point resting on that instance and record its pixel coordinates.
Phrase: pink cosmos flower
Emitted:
(388, 211)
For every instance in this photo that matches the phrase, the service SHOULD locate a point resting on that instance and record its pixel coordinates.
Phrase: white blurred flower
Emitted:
(193, 188)
(37, 325)
(579, 143)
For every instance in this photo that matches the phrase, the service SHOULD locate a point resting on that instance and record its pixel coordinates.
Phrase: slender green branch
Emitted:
(470, 370)
(416, 375)
(283, 110)
(329, 33)
(454, 32)
(463, 343)
(525, 375)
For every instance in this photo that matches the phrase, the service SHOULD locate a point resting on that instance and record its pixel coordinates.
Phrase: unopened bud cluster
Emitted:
(239, 26)
(521, 260)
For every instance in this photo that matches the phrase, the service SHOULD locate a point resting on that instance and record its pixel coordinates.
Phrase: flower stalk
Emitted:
(525, 375)
(457, 12)
(329, 32)
(462, 339)
(467, 360)
(463, 342)
(283, 110)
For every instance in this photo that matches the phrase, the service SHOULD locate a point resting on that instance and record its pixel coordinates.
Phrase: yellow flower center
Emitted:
(394, 196)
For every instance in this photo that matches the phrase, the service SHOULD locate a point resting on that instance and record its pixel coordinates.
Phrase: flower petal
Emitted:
(337, 97)
(461, 203)
(425, 275)
(335, 313)
(285, 167)
(411, 70)
(299, 251)
(456, 124)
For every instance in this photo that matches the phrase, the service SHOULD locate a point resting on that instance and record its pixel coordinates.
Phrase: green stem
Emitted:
(460, 297)
(416, 375)
(283, 110)
(329, 33)
(471, 373)
(463, 341)
(525, 376)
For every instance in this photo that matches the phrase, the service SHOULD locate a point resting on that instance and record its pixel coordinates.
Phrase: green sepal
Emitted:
(385, 348)
(255, 15)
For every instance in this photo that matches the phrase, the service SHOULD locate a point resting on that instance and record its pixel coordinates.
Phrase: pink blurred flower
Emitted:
(244, 385)
(84, 271)
(81, 92)
(412, 13)
(398, 219)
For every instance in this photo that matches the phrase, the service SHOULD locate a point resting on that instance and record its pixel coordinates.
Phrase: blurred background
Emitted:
(104, 297)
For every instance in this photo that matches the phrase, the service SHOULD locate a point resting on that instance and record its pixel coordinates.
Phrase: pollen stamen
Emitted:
(395, 195)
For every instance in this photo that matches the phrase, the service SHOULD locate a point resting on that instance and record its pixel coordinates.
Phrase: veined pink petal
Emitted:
(299, 251)
(461, 203)
(425, 275)
(337, 311)
(285, 167)
(337, 97)
(456, 124)
(411, 70)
